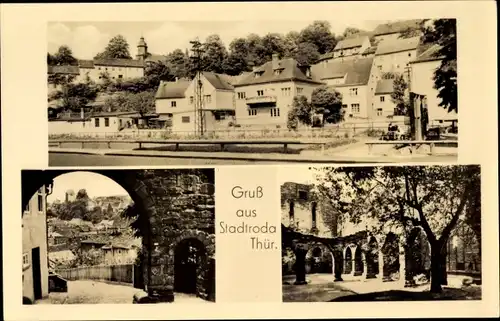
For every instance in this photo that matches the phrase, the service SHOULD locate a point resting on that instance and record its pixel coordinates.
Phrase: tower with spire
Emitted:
(142, 49)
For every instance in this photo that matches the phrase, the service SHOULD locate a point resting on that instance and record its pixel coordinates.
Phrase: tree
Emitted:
(141, 102)
(400, 96)
(319, 33)
(82, 194)
(301, 112)
(414, 31)
(178, 63)
(306, 54)
(291, 43)
(256, 51)
(117, 48)
(87, 258)
(443, 32)
(214, 54)
(328, 103)
(237, 60)
(272, 43)
(74, 96)
(350, 32)
(156, 72)
(433, 198)
(63, 56)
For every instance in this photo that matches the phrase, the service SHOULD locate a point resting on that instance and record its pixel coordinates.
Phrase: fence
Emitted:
(123, 273)
(345, 130)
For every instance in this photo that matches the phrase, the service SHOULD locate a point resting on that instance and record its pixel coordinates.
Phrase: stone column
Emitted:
(364, 273)
(338, 266)
(402, 265)
(380, 265)
(353, 263)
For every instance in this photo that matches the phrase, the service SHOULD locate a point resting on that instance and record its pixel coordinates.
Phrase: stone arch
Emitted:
(372, 258)
(348, 260)
(390, 254)
(199, 277)
(319, 259)
(359, 261)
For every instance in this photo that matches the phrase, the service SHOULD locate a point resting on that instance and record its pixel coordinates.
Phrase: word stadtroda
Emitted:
(245, 228)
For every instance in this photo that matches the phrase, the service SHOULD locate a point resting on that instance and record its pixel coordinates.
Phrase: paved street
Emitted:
(321, 288)
(92, 292)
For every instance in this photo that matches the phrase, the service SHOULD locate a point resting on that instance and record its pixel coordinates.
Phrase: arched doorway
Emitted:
(189, 264)
(372, 259)
(390, 251)
(359, 265)
(348, 261)
(319, 259)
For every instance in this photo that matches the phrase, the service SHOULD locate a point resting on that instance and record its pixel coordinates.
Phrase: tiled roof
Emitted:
(430, 54)
(172, 89)
(356, 71)
(219, 81)
(65, 69)
(351, 43)
(120, 63)
(396, 26)
(86, 63)
(384, 86)
(114, 113)
(155, 58)
(290, 72)
(398, 45)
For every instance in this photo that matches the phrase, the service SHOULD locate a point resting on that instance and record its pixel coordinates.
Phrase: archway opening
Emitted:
(359, 265)
(348, 261)
(190, 259)
(372, 259)
(78, 220)
(390, 251)
(319, 259)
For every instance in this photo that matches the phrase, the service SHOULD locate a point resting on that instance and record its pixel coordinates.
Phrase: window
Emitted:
(208, 98)
(191, 100)
(286, 91)
(275, 112)
(99, 68)
(120, 76)
(303, 195)
(185, 119)
(173, 104)
(277, 72)
(379, 112)
(382, 99)
(353, 91)
(106, 68)
(409, 54)
(260, 92)
(299, 90)
(241, 95)
(379, 67)
(26, 261)
(252, 112)
(96, 122)
(355, 108)
(106, 122)
(40, 202)
(313, 214)
(344, 106)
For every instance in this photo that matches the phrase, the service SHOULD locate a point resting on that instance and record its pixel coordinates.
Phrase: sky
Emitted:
(86, 39)
(95, 184)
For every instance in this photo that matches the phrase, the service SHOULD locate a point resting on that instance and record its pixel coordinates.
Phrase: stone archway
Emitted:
(189, 259)
(359, 264)
(348, 261)
(319, 259)
(191, 264)
(372, 258)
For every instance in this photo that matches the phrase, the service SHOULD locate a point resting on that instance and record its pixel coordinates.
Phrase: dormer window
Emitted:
(277, 72)
(258, 74)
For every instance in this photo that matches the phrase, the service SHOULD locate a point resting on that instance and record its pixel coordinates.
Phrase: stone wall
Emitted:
(183, 210)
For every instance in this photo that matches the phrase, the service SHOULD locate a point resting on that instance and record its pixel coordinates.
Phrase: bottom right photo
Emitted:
(381, 233)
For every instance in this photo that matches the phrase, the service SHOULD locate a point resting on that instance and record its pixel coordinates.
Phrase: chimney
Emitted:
(276, 61)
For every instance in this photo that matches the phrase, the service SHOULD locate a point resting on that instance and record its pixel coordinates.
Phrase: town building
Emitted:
(394, 55)
(382, 102)
(393, 30)
(350, 78)
(35, 252)
(70, 196)
(421, 83)
(265, 96)
(175, 102)
(349, 48)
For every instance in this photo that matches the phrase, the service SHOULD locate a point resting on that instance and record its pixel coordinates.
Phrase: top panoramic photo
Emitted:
(214, 92)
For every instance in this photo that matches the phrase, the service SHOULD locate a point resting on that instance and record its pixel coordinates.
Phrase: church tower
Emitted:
(142, 49)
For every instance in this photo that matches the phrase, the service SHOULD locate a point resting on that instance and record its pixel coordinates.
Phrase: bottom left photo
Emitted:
(118, 236)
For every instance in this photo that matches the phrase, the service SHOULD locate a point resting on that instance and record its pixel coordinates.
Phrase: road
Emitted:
(56, 159)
